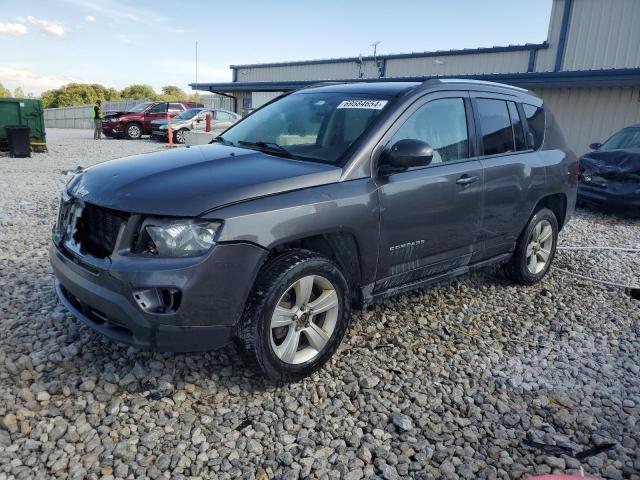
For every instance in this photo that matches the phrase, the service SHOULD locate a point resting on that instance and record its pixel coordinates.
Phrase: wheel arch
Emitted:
(557, 203)
(340, 247)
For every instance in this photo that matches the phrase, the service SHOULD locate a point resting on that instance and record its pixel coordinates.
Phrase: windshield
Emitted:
(310, 126)
(140, 107)
(623, 139)
(187, 114)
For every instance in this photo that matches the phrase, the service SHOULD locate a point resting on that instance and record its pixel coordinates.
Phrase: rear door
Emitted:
(514, 175)
(430, 216)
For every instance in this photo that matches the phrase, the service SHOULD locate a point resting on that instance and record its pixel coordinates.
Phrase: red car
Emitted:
(137, 121)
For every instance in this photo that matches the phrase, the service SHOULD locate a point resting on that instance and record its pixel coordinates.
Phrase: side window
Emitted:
(176, 107)
(160, 108)
(516, 126)
(536, 121)
(223, 116)
(442, 124)
(495, 125)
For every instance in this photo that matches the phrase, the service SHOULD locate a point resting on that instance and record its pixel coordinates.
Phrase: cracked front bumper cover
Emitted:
(214, 292)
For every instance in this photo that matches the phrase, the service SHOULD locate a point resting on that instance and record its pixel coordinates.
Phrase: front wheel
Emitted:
(179, 136)
(535, 249)
(296, 317)
(133, 131)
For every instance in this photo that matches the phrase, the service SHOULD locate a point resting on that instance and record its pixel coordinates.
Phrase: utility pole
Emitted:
(375, 57)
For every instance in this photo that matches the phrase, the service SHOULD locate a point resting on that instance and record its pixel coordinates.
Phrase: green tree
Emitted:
(171, 92)
(18, 93)
(74, 94)
(138, 92)
(4, 92)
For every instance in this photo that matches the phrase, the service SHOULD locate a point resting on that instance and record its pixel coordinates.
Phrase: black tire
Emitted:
(179, 138)
(517, 268)
(133, 131)
(253, 333)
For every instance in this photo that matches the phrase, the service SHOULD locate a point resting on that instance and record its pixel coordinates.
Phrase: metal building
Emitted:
(588, 69)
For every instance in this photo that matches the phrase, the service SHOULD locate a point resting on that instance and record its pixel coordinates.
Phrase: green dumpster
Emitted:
(23, 111)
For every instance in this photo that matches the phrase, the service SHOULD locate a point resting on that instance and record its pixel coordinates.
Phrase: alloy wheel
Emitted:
(134, 131)
(304, 319)
(180, 138)
(539, 247)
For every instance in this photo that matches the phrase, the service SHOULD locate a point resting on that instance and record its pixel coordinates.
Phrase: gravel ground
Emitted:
(449, 382)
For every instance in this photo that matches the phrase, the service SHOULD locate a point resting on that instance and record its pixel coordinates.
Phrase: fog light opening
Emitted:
(158, 300)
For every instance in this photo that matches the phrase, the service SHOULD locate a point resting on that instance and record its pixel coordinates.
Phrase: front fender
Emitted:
(271, 221)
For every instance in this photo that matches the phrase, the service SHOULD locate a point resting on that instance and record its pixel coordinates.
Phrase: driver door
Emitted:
(430, 215)
(157, 112)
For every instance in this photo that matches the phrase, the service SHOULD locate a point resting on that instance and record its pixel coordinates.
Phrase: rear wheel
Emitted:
(535, 249)
(296, 317)
(133, 131)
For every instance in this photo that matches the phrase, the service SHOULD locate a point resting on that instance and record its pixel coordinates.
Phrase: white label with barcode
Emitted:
(368, 104)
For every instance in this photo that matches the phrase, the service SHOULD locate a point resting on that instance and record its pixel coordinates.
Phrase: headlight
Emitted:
(180, 238)
(163, 127)
(115, 119)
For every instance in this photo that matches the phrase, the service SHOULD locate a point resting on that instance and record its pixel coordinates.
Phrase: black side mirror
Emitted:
(405, 154)
(595, 146)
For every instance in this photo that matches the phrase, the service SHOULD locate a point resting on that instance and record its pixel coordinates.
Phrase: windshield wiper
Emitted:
(270, 146)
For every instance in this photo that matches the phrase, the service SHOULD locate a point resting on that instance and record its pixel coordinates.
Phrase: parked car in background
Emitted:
(193, 119)
(137, 121)
(610, 173)
(329, 197)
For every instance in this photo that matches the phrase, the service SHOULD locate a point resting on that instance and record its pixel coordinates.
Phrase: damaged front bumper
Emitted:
(118, 301)
(622, 195)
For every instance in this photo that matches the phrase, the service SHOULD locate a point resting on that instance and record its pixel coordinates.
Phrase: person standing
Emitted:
(97, 120)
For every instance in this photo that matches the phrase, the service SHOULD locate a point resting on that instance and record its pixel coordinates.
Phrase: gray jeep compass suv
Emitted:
(329, 197)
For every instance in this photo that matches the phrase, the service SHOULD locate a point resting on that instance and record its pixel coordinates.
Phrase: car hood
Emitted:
(625, 161)
(190, 181)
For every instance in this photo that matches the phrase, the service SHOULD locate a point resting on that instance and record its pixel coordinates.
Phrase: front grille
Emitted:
(97, 230)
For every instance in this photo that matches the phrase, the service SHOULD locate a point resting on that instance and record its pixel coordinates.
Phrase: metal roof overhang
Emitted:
(581, 78)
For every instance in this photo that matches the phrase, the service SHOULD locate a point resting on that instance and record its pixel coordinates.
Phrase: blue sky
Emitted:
(46, 43)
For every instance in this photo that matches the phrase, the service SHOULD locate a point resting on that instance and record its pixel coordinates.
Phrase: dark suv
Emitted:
(137, 121)
(326, 198)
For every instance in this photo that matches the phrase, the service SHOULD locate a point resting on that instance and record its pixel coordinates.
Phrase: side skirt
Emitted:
(369, 297)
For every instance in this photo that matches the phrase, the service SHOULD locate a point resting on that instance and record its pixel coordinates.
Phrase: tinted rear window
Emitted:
(536, 122)
(516, 125)
(495, 124)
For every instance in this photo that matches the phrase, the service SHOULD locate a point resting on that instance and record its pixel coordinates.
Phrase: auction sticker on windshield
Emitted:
(368, 104)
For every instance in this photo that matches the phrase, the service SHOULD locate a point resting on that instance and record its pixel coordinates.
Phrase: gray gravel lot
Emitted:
(440, 383)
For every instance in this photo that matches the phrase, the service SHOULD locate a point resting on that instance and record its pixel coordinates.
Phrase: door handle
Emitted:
(467, 180)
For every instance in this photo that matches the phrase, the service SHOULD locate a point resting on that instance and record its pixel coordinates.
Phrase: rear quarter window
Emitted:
(536, 121)
(554, 139)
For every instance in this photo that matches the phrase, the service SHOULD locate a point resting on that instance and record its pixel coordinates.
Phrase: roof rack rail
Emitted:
(474, 82)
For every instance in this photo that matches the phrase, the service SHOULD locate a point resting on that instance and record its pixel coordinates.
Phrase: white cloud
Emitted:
(12, 28)
(89, 19)
(125, 39)
(47, 27)
(123, 12)
(19, 76)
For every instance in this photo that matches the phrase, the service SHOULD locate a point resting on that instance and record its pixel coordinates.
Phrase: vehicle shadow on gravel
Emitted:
(158, 375)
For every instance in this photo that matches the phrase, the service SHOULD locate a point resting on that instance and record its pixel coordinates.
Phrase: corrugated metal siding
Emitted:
(546, 58)
(603, 34)
(326, 71)
(588, 115)
(258, 99)
(499, 62)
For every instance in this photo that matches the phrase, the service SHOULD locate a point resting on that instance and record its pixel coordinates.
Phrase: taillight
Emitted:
(575, 174)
